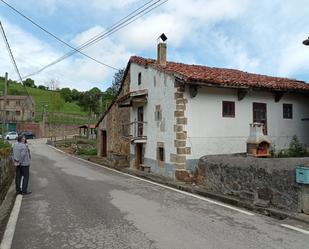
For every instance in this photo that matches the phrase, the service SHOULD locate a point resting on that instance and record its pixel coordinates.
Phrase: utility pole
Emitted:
(4, 104)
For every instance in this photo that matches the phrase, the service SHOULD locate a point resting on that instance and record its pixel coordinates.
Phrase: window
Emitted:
(158, 113)
(17, 102)
(161, 154)
(287, 111)
(17, 113)
(228, 109)
(139, 81)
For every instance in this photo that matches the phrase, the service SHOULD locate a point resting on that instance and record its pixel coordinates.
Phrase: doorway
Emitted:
(260, 115)
(139, 158)
(104, 144)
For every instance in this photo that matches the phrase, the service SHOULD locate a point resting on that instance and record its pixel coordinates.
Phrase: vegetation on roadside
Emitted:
(296, 149)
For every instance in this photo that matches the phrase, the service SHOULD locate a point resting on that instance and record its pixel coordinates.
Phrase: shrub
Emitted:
(296, 149)
(87, 151)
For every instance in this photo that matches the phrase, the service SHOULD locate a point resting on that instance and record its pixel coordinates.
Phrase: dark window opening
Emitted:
(139, 82)
(161, 155)
(17, 113)
(228, 109)
(287, 111)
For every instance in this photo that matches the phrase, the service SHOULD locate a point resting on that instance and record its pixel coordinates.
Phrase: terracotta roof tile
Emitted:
(223, 77)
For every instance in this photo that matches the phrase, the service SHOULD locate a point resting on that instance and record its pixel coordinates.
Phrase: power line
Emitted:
(10, 52)
(57, 38)
(112, 29)
(12, 57)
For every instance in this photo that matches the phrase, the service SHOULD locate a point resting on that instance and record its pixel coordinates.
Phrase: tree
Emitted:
(75, 95)
(107, 98)
(66, 94)
(90, 100)
(42, 87)
(29, 83)
(117, 80)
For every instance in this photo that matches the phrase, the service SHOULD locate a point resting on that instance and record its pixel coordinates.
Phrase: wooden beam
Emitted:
(241, 93)
(278, 95)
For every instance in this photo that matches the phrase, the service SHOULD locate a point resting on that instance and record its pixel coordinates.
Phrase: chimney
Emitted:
(162, 54)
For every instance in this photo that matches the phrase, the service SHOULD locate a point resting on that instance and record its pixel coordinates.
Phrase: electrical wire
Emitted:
(57, 38)
(12, 58)
(117, 26)
(141, 11)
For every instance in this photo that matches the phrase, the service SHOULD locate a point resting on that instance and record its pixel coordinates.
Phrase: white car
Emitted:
(10, 135)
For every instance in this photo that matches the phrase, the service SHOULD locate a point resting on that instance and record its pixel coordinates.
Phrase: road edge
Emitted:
(7, 239)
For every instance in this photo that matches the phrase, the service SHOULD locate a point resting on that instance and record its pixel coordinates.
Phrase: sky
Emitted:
(258, 36)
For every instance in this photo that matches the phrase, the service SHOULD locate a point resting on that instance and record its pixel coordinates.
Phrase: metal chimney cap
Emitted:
(306, 42)
(163, 37)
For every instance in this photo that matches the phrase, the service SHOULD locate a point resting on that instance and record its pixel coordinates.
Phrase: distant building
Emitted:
(179, 113)
(17, 109)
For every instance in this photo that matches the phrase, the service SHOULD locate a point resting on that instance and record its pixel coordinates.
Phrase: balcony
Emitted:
(136, 97)
(135, 131)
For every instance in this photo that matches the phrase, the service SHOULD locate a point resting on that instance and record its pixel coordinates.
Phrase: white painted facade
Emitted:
(161, 91)
(210, 133)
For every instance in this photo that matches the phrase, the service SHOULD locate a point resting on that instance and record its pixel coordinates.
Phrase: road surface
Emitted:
(79, 205)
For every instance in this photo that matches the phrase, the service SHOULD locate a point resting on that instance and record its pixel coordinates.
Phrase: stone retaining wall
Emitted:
(261, 181)
(6, 174)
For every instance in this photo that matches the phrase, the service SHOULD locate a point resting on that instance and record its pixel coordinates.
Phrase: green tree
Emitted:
(75, 95)
(56, 101)
(90, 100)
(29, 83)
(117, 80)
(107, 98)
(42, 87)
(66, 94)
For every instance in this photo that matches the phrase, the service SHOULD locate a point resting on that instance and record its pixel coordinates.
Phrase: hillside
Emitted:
(44, 97)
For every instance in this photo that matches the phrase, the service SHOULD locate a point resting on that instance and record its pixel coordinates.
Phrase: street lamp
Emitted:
(306, 42)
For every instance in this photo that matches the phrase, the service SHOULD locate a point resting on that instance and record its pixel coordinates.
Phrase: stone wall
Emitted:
(118, 147)
(6, 174)
(261, 181)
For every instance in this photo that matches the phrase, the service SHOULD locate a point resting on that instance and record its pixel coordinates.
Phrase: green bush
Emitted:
(87, 151)
(296, 149)
(4, 144)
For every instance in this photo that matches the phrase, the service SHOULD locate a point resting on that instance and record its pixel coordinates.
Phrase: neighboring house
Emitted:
(88, 131)
(17, 109)
(180, 112)
(112, 144)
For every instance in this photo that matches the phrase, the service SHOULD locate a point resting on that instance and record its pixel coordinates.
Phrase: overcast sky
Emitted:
(259, 36)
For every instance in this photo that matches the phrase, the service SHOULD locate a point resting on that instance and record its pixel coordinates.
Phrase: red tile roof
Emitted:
(203, 75)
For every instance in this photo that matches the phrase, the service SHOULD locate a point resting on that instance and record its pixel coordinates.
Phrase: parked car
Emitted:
(27, 134)
(10, 135)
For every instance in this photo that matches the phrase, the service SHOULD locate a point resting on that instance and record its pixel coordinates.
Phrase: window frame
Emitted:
(232, 103)
(285, 111)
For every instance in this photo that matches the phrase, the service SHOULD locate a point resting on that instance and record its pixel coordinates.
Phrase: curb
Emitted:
(277, 214)
(6, 208)
(274, 213)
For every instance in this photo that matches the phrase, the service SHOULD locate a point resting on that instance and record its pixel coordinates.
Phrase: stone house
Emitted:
(17, 109)
(179, 112)
(111, 143)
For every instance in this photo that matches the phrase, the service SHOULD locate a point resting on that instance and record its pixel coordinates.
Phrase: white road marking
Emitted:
(295, 228)
(161, 185)
(7, 239)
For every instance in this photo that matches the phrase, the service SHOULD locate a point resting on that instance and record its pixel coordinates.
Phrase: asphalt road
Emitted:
(78, 205)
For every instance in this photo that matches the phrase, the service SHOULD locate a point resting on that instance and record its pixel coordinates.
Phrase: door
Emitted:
(260, 115)
(140, 119)
(104, 144)
(138, 155)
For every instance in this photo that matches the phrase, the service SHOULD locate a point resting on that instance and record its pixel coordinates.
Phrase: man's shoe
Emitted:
(26, 193)
(18, 192)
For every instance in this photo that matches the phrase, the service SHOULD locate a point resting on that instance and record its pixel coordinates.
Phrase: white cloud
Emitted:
(78, 72)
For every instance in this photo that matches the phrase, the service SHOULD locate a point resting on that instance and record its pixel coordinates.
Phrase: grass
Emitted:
(44, 97)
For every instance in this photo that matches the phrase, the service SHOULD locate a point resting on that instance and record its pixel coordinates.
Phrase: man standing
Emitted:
(21, 157)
